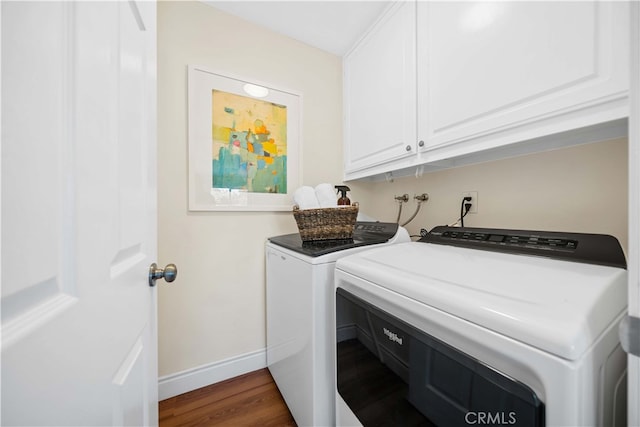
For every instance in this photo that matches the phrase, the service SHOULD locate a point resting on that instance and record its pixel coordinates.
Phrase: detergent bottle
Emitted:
(343, 200)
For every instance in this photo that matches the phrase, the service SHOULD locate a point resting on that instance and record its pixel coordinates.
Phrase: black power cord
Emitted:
(464, 209)
(423, 233)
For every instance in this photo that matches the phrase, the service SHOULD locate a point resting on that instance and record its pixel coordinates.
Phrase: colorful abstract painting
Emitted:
(249, 144)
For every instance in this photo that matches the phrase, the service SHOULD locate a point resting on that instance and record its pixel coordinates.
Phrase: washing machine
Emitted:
(300, 278)
(473, 326)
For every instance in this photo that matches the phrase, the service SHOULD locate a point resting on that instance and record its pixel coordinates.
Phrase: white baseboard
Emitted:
(194, 378)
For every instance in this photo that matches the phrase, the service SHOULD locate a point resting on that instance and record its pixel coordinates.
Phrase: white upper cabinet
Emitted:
(380, 92)
(496, 73)
(440, 84)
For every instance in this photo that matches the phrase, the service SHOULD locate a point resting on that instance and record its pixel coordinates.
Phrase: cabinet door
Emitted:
(380, 92)
(495, 73)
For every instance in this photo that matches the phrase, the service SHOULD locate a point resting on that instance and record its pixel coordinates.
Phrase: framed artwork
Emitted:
(244, 144)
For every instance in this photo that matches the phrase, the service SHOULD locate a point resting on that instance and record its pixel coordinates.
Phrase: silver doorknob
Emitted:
(169, 273)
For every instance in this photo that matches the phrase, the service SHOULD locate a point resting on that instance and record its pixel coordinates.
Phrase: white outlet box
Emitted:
(474, 200)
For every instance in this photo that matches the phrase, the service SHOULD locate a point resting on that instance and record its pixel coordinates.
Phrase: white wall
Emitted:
(582, 188)
(216, 308)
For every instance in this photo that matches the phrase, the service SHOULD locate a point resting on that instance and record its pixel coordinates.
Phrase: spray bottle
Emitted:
(343, 200)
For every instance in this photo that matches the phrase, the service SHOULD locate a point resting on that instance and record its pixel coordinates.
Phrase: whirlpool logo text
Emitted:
(392, 336)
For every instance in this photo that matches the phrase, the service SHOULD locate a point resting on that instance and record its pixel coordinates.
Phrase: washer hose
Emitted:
(412, 216)
(399, 212)
(401, 199)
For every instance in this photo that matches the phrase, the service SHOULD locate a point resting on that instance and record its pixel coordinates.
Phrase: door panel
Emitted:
(634, 213)
(380, 92)
(521, 69)
(79, 338)
(130, 387)
(36, 283)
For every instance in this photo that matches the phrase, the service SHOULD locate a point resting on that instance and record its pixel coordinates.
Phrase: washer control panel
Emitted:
(368, 227)
(598, 249)
(558, 243)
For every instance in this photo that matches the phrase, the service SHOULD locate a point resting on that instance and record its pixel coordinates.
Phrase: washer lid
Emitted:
(557, 306)
(364, 234)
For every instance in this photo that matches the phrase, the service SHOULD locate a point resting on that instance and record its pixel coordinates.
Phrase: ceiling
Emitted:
(333, 26)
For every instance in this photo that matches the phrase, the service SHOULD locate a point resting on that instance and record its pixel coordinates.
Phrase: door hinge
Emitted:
(629, 333)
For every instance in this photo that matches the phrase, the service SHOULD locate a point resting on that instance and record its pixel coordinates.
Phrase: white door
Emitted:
(79, 343)
(634, 214)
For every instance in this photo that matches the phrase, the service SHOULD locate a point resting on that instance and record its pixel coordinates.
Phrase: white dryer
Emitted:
(300, 277)
(482, 326)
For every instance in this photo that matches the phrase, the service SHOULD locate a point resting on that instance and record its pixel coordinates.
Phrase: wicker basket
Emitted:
(326, 223)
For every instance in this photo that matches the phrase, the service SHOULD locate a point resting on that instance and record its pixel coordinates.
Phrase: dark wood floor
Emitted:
(248, 400)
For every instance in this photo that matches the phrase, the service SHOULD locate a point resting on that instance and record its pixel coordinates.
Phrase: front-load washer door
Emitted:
(390, 373)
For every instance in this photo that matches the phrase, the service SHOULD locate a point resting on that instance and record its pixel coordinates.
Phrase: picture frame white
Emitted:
(203, 196)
